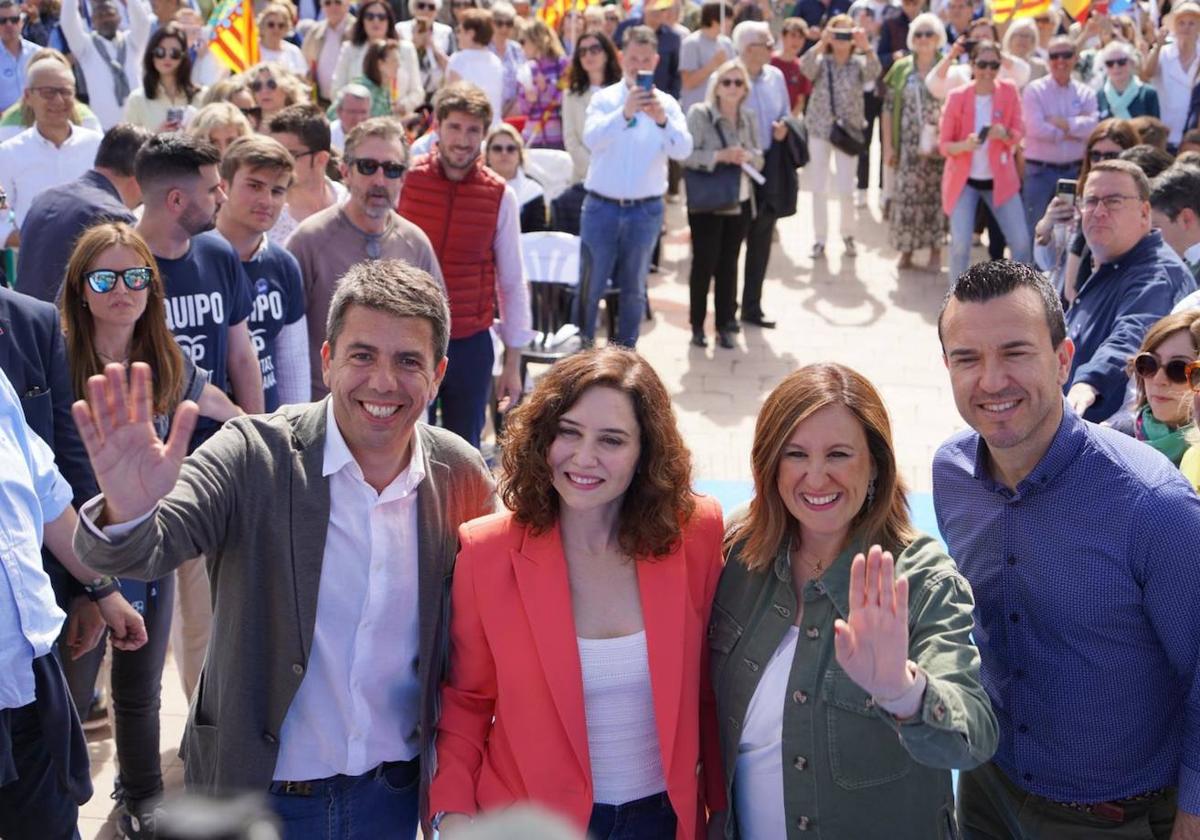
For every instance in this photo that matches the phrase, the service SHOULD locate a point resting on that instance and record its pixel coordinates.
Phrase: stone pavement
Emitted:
(860, 312)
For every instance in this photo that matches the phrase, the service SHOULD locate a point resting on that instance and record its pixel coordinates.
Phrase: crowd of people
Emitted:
(262, 321)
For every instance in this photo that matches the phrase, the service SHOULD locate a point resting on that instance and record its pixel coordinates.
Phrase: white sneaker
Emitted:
(860, 198)
(818, 250)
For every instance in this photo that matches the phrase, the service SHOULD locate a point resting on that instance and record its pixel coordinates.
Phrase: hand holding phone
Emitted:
(645, 80)
(983, 133)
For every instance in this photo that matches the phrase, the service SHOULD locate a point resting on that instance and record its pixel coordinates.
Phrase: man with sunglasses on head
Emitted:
(109, 58)
(1060, 112)
(474, 217)
(1137, 280)
(15, 53)
(363, 227)
(50, 152)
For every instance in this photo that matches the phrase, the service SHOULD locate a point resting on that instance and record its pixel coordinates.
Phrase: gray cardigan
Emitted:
(254, 502)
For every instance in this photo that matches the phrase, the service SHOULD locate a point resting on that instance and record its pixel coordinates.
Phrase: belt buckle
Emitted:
(626, 202)
(1109, 811)
(297, 788)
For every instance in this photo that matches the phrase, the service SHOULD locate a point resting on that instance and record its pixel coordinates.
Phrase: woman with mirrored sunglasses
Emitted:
(113, 312)
(1161, 372)
(165, 99)
(1123, 95)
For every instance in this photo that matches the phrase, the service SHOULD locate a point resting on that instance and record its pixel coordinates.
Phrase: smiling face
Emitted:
(460, 136)
(119, 308)
(824, 470)
(1006, 377)
(1119, 68)
(382, 376)
(50, 92)
(1170, 402)
(595, 452)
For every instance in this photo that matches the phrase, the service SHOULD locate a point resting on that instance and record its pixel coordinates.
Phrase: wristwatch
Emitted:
(101, 587)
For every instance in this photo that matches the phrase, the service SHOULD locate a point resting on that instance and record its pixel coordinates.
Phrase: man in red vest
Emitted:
(472, 218)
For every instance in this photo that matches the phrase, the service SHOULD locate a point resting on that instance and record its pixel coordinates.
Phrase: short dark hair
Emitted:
(377, 53)
(640, 34)
(1151, 160)
(479, 23)
(396, 288)
(987, 280)
(1152, 130)
(307, 122)
(1129, 165)
(1176, 189)
(120, 146)
(710, 13)
(463, 97)
(1192, 136)
(172, 157)
(358, 35)
(578, 81)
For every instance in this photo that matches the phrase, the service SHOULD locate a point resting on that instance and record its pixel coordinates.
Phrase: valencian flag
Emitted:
(554, 10)
(234, 38)
(1003, 10)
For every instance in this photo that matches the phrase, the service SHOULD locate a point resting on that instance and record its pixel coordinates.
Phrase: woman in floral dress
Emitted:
(915, 217)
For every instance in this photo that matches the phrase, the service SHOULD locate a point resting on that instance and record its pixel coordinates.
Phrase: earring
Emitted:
(83, 303)
(870, 492)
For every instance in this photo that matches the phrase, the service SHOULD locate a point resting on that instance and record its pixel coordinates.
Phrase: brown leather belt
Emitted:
(1112, 811)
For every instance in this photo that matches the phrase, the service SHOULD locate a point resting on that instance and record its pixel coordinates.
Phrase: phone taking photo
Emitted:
(645, 80)
(983, 133)
(842, 35)
(1067, 187)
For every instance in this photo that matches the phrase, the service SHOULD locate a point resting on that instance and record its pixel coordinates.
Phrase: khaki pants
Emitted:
(991, 807)
(191, 624)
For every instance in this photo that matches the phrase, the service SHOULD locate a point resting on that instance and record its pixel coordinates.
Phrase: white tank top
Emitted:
(621, 730)
(758, 774)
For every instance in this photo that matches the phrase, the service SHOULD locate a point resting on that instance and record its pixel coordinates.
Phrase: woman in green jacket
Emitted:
(847, 683)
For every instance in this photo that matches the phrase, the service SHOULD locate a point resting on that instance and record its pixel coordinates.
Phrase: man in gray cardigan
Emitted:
(330, 531)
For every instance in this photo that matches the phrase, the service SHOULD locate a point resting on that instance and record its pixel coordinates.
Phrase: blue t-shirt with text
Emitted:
(277, 299)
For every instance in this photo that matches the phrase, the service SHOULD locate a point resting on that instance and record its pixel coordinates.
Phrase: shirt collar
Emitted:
(1192, 255)
(1137, 254)
(101, 182)
(337, 457)
(1072, 431)
(834, 582)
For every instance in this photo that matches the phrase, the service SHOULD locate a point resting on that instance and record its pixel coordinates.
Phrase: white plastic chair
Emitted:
(552, 265)
(552, 168)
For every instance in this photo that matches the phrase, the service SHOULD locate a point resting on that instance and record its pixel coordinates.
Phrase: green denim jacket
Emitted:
(851, 770)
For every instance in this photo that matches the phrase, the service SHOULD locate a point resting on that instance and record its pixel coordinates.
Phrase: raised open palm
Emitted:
(872, 646)
(133, 467)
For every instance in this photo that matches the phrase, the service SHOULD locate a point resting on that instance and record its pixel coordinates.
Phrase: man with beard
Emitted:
(109, 58)
(364, 227)
(208, 295)
(473, 216)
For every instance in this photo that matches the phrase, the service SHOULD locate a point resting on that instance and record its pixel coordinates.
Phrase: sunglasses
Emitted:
(925, 33)
(12, 21)
(1116, 62)
(733, 81)
(163, 52)
(502, 23)
(1062, 56)
(590, 49)
(50, 93)
(254, 113)
(1095, 156)
(466, 5)
(103, 281)
(379, 15)
(369, 166)
(274, 24)
(1177, 370)
(258, 84)
(507, 150)
(987, 65)
(333, 2)
(425, 7)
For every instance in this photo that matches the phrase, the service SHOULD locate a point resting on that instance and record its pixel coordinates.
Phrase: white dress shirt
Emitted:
(102, 99)
(1174, 84)
(630, 161)
(29, 164)
(358, 704)
(512, 292)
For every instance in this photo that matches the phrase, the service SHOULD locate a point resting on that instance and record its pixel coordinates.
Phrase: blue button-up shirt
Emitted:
(12, 71)
(1087, 609)
(1115, 307)
(31, 494)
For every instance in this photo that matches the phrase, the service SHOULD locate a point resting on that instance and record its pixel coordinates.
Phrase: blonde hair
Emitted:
(219, 115)
(714, 80)
(509, 131)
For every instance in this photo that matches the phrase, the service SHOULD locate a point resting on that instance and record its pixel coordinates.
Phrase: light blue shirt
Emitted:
(12, 72)
(768, 99)
(31, 494)
(630, 161)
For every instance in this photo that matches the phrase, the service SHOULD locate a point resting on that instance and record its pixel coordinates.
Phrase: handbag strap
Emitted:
(716, 122)
(832, 95)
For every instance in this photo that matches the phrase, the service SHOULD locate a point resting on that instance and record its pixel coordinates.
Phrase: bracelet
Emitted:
(101, 587)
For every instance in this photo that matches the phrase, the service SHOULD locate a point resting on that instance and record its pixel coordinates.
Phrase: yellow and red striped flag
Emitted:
(234, 38)
(554, 10)
(1005, 10)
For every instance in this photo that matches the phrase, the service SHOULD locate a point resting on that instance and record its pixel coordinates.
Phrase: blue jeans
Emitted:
(463, 397)
(962, 226)
(1038, 189)
(649, 818)
(618, 242)
(379, 803)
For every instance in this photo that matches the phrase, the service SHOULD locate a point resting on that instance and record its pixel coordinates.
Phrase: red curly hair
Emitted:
(659, 499)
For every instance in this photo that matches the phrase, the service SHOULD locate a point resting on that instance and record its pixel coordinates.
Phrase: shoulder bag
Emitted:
(844, 137)
(709, 192)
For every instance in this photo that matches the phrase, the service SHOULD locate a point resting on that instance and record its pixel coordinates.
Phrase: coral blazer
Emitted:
(513, 727)
(958, 122)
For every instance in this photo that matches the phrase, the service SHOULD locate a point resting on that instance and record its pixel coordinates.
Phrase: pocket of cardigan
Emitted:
(724, 632)
(863, 750)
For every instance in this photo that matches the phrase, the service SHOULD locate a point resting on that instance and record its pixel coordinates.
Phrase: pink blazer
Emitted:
(958, 122)
(513, 728)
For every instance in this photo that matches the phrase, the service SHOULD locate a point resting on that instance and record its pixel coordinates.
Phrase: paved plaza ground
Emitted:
(860, 312)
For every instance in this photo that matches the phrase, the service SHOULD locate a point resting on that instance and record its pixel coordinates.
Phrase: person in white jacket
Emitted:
(109, 57)
(376, 21)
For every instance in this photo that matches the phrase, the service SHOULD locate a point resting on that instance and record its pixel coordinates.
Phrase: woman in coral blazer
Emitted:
(578, 675)
(981, 126)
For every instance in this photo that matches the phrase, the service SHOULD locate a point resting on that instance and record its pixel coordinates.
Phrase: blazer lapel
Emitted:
(664, 588)
(541, 573)
(309, 516)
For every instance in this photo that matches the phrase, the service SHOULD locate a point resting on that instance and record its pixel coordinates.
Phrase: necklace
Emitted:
(374, 240)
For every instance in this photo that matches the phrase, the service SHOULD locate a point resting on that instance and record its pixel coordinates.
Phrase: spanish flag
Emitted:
(1006, 10)
(234, 38)
(555, 10)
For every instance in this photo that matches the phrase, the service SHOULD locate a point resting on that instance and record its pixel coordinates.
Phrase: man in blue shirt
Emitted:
(15, 53)
(208, 295)
(1138, 279)
(1080, 546)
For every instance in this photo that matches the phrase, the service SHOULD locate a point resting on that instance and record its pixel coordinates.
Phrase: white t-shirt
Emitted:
(981, 167)
(481, 67)
(288, 55)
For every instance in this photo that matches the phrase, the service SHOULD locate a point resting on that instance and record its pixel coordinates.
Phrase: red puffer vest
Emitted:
(459, 217)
